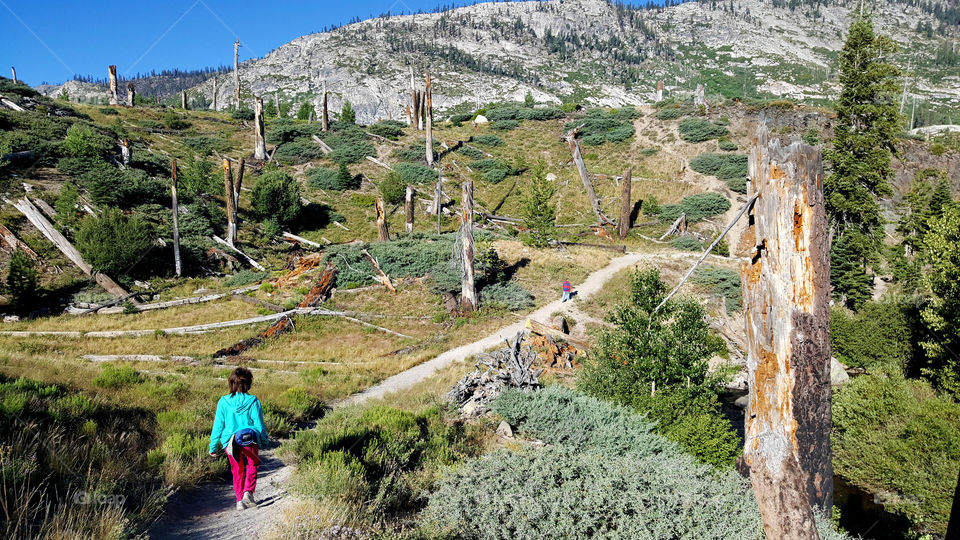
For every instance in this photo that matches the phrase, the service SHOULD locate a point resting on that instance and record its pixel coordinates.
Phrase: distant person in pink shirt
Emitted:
(566, 291)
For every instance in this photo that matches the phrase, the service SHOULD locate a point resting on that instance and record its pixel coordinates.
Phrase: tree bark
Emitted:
(429, 121)
(260, 145)
(585, 178)
(228, 197)
(623, 225)
(276, 104)
(126, 153)
(236, 187)
(236, 73)
(468, 291)
(214, 92)
(114, 99)
(786, 293)
(15, 243)
(183, 99)
(177, 264)
(13, 72)
(326, 113)
(438, 199)
(383, 235)
(131, 94)
(408, 208)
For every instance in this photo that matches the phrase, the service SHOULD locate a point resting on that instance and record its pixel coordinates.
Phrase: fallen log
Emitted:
(381, 276)
(618, 249)
(544, 330)
(258, 302)
(323, 146)
(10, 105)
(380, 163)
(25, 154)
(15, 243)
(250, 261)
(585, 178)
(291, 236)
(679, 226)
(321, 290)
(107, 310)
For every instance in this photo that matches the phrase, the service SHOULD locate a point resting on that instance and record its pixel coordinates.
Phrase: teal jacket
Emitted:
(235, 412)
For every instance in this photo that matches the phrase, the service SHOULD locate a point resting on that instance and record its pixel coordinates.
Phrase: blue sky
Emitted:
(52, 41)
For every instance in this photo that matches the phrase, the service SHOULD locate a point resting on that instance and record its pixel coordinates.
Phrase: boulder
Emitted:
(504, 430)
(838, 373)
(481, 119)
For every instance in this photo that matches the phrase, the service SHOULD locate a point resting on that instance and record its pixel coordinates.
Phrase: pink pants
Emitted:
(245, 470)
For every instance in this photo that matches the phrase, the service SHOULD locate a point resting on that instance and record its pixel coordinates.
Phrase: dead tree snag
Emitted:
(260, 145)
(383, 235)
(114, 99)
(13, 73)
(623, 226)
(786, 292)
(408, 208)
(326, 114)
(183, 99)
(231, 207)
(585, 178)
(126, 152)
(214, 92)
(131, 94)
(236, 73)
(178, 265)
(468, 292)
(428, 113)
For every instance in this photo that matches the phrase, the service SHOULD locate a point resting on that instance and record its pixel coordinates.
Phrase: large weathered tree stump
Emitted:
(259, 144)
(177, 264)
(383, 234)
(623, 226)
(231, 207)
(468, 291)
(408, 208)
(113, 97)
(786, 292)
(131, 94)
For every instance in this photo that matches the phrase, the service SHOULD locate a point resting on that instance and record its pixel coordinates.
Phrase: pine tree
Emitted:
(867, 124)
(941, 278)
(347, 114)
(21, 282)
(539, 214)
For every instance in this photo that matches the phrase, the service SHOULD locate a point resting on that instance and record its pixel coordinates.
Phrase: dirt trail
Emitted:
(208, 511)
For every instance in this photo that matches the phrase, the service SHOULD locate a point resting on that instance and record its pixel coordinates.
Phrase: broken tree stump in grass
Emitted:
(679, 226)
(236, 189)
(131, 94)
(320, 291)
(229, 200)
(259, 144)
(468, 291)
(383, 234)
(408, 208)
(623, 225)
(541, 329)
(126, 152)
(585, 178)
(13, 74)
(178, 265)
(786, 299)
(113, 98)
(428, 115)
(380, 275)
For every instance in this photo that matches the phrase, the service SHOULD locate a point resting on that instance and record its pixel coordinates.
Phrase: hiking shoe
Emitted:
(240, 505)
(248, 501)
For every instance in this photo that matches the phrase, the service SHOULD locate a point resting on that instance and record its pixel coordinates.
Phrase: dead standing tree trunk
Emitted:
(237, 184)
(13, 72)
(468, 292)
(623, 226)
(126, 151)
(786, 292)
(228, 197)
(408, 208)
(259, 145)
(429, 121)
(131, 94)
(585, 177)
(114, 99)
(183, 99)
(326, 113)
(177, 264)
(214, 92)
(383, 235)
(236, 73)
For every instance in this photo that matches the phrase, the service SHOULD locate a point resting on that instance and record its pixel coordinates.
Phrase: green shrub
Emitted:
(651, 206)
(687, 243)
(300, 151)
(547, 113)
(410, 155)
(197, 176)
(695, 130)
(884, 429)
(21, 282)
(389, 131)
(323, 178)
(880, 335)
(205, 144)
(83, 141)
(723, 166)
(347, 114)
(284, 130)
(721, 282)
(487, 140)
(108, 111)
(696, 207)
(117, 377)
(242, 114)
(670, 114)
(300, 404)
(737, 185)
(336, 475)
(509, 295)
(352, 152)
(727, 145)
(276, 196)
(811, 136)
(471, 152)
(600, 126)
(393, 188)
(503, 112)
(459, 119)
(505, 125)
(112, 242)
(174, 121)
(411, 256)
(414, 173)
(245, 277)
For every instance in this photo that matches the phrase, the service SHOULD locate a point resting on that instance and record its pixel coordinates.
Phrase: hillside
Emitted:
(601, 53)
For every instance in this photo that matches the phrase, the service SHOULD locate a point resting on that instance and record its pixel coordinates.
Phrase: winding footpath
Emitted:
(208, 511)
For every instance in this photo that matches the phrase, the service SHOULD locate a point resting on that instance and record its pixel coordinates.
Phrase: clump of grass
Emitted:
(117, 377)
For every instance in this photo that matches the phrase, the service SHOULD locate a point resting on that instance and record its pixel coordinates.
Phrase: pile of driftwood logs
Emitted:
(509, 367)
(556, 348)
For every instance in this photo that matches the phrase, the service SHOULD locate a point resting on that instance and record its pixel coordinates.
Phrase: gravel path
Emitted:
(208, 510)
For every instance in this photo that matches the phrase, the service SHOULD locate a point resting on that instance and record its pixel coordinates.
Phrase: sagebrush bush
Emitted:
(409, 155)
(728, 145)
(671, 113)
(334, 180)
(300, 151)
(112, 242)
(505, 125)
(206, 145)
(687, 243)
(722, 282)
(695, 130)
(411, 256)
(392, 188)
(508, 295)
(471, 152)
(276, 196)
(600, 126)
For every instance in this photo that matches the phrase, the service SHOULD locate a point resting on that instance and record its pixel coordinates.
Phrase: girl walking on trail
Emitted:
(566, 291)
(238, 429)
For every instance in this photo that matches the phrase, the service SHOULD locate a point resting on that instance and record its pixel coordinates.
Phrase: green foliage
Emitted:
(305, 111)
(687, 243)
(117, 377)
(865, 135)
(349, 143)
(487, 140)
(727, 145)
(330, 179)
(696, 207)
(303, 150)
(245, 277)
(600, 126)
(174, 121)
(883, 426)
(197, 176)
(413, 255)
(83, 141)
(811, 136)
(927, 198)
(242, 114)
(721, 282)
(383, 129)
(509, 295)
(276, 196)
(206, 145)
(284, 130)
(108, 111)
(723, 166)
(695, 130)
(414, 173)
(410, 155)
(393, 188)
(458, 119)
(651, 206)
(21, 282)
(66, 206)
(347, 114)
(380, 457)
(941, 277)
(537, 210)
(300, 404)
(112, 242)
(505, 125)
(881, 335)
(671, 113)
